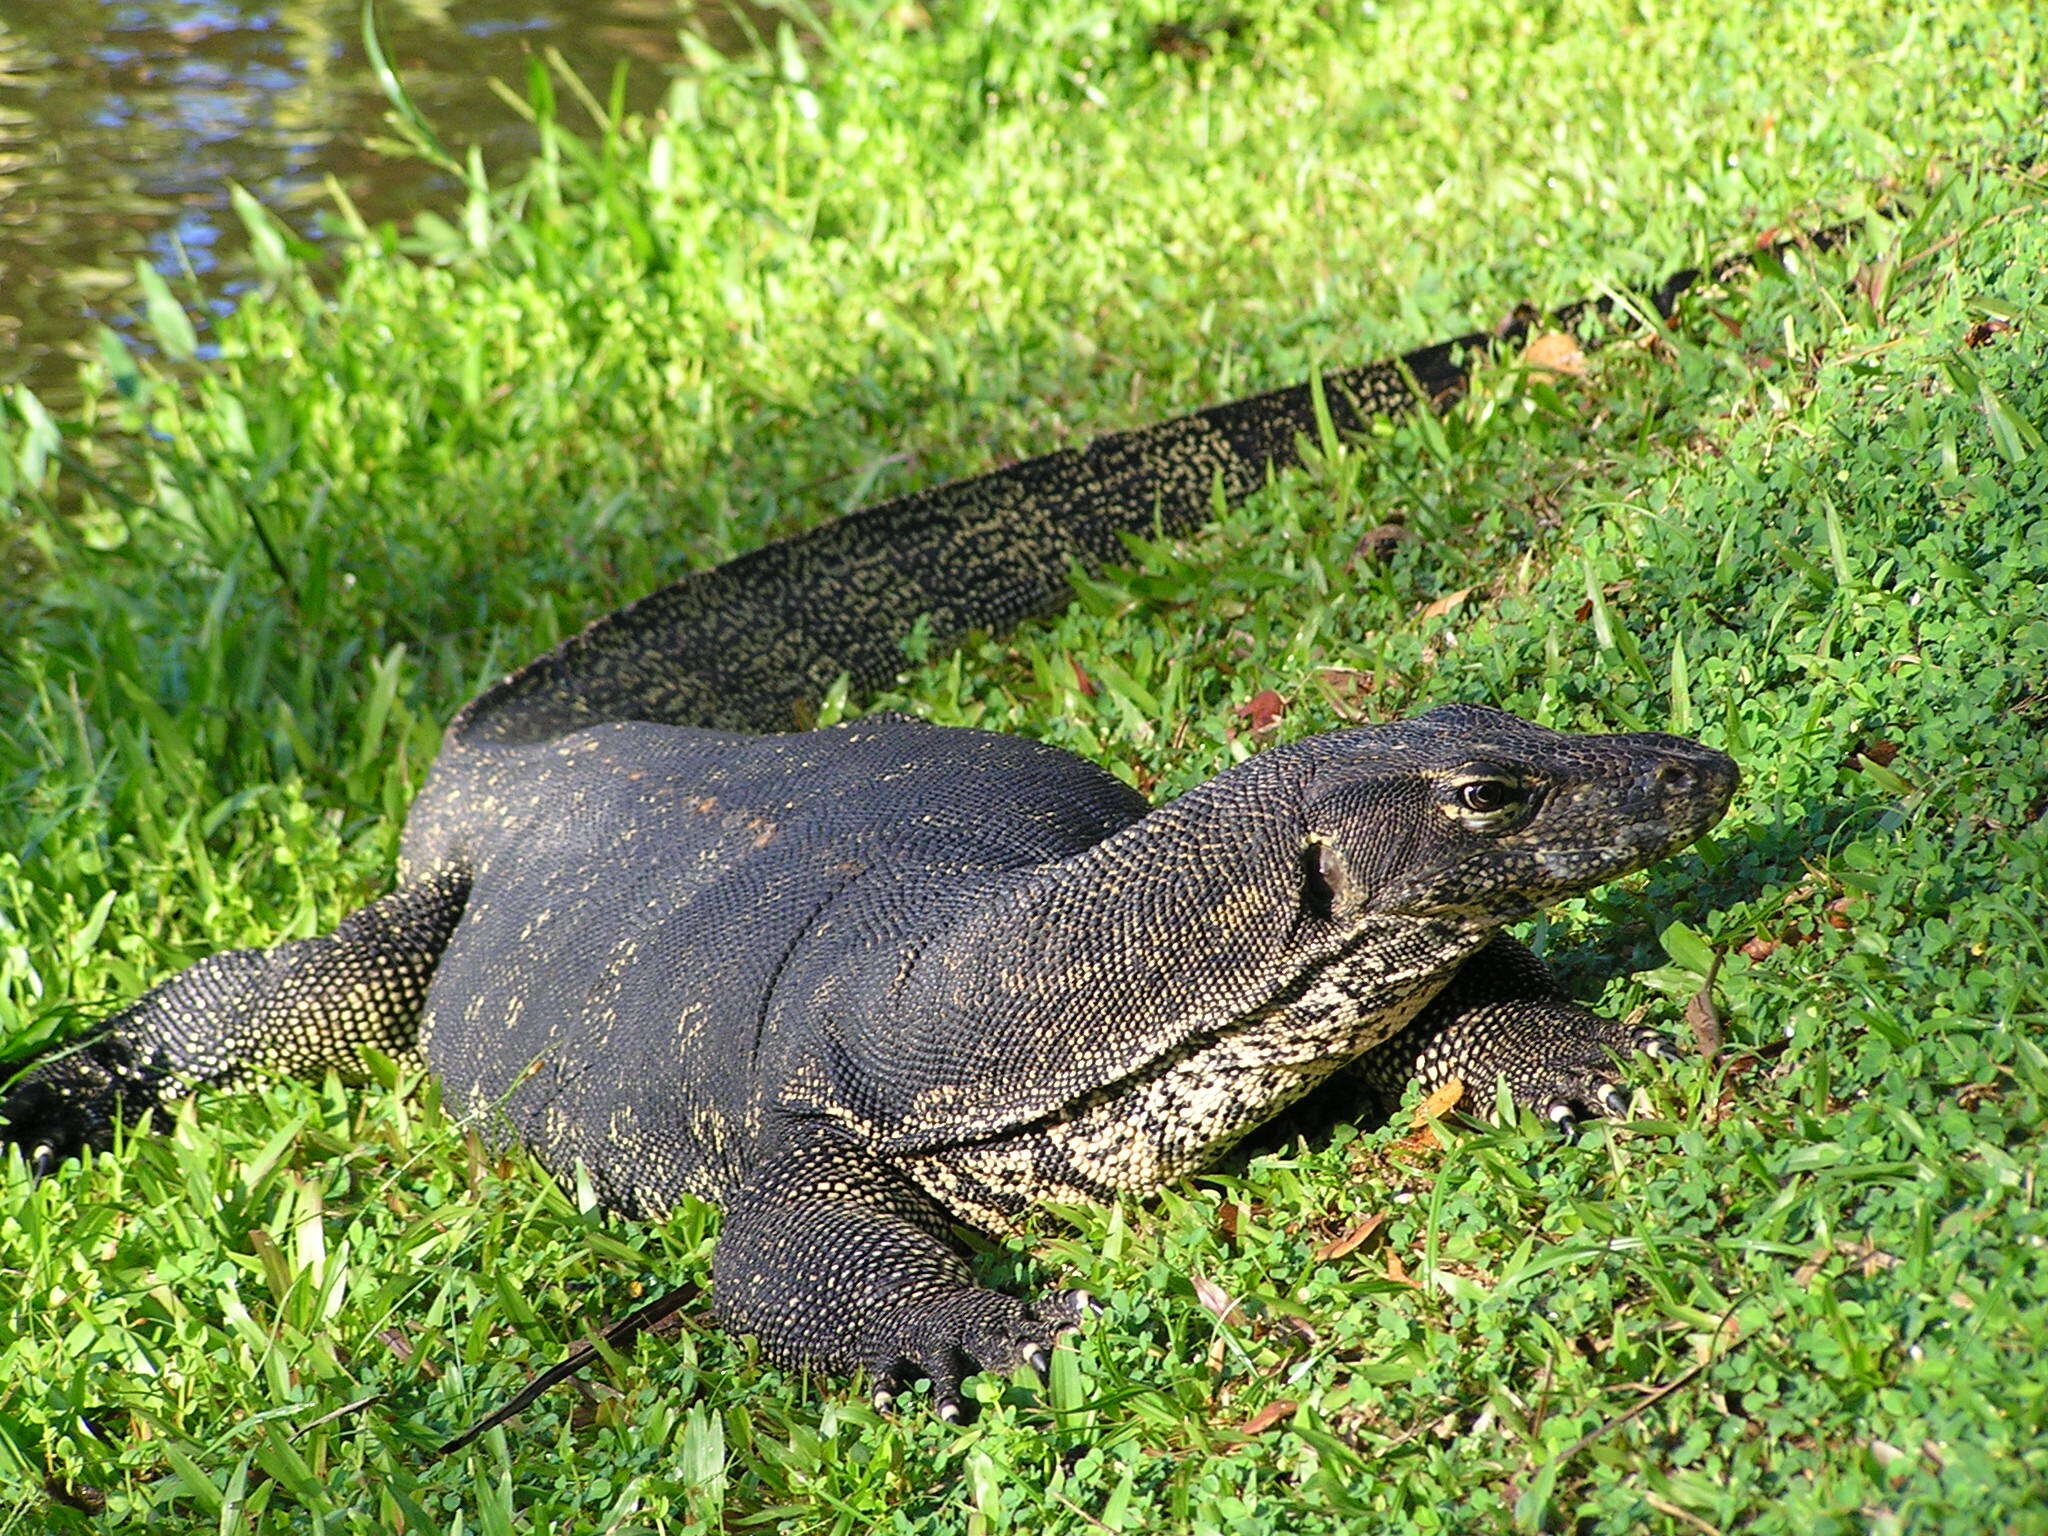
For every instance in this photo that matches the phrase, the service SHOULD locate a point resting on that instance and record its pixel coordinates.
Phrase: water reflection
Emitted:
(121, 122)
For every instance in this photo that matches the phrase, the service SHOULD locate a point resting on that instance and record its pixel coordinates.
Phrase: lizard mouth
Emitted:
(1632, 847)
(1502, 886)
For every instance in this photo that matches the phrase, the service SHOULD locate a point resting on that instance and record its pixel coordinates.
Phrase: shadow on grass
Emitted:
(1769, 856)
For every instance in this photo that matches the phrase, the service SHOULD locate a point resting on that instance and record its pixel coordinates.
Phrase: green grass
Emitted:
(1805, 1291)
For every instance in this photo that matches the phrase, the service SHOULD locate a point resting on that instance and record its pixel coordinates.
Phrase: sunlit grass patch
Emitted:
(1803, 1291)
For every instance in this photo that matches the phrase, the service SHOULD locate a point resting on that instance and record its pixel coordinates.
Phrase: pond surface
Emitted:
(122, 121)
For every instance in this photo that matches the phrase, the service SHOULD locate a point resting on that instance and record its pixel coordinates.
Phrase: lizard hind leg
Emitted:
(296, 1010)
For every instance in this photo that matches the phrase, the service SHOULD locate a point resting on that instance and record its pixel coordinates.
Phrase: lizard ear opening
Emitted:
(1324, 879)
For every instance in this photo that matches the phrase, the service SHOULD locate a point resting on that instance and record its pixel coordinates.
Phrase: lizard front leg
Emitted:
(1504, 1018)
(837, 1262)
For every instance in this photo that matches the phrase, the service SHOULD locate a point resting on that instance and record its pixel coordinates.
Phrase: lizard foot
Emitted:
(1566, 1065)
(1504, 1019)
(55, 1112)
(962, 1332)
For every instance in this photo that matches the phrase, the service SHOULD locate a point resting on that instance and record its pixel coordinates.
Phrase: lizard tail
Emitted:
(753, 644)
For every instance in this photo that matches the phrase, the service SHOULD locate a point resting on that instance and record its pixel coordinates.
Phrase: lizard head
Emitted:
(1471, 812)
(1281, 918)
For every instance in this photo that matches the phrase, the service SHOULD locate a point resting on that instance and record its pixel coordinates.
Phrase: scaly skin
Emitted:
(860, 984)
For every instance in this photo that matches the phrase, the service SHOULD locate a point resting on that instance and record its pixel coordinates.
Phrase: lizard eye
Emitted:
(1485, 798)
(1488, 795)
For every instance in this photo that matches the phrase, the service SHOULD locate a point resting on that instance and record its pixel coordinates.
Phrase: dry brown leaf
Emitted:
(403, 1350)
(1262, 711)
(1397, 1271)
(1337, 1247)
(1554, 353)
(1268, 1416)
(1444, 604)
(1440, 1102)
(1417, 1142)
(1874, 280)
(1226, 1219)
(1348, 690)
(1805, 1272)
(1082, 680)
(1705, 1020)
(1216, 1301)
(1867, 1258)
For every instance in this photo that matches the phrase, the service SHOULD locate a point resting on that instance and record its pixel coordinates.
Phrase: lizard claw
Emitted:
(1070, 1309)
(1562, 1062)
(972, 1331)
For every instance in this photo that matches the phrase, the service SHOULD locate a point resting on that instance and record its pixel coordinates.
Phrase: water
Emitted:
(122, 121)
